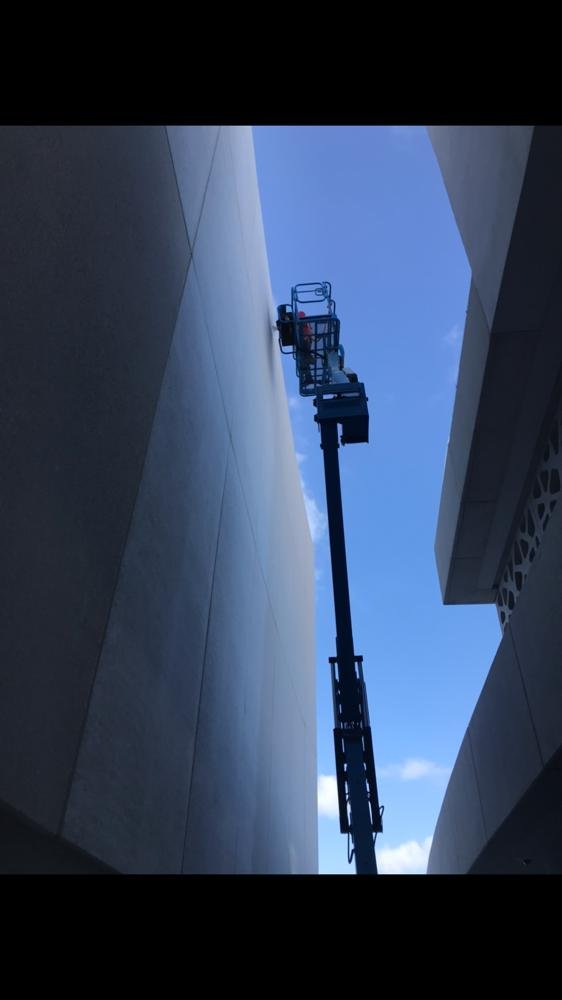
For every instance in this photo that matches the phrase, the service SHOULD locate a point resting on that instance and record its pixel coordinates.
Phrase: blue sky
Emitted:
(366, 209)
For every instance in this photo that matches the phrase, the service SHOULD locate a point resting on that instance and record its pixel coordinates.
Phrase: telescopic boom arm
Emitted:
(339, 398)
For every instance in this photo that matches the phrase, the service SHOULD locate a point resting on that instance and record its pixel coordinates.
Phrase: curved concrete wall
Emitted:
(505, 186)
(502, 811)
(157, 661)
(483, 167)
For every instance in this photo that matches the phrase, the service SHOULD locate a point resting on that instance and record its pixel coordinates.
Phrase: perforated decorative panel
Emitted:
(533, 524)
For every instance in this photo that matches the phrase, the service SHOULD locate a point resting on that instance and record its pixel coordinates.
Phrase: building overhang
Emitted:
(508, 386)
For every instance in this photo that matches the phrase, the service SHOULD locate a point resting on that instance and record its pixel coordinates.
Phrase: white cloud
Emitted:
(328, 796)
(406, 859)
(414, 768)
(317, 520)
(300, 457)
(452, 338)
(293, 402)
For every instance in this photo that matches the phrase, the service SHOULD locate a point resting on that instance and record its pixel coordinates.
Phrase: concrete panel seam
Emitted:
(239, 477)
(229, 429)
(264, 580)
(210, 342)
(178, 188)
(477, 783)
(556, 278)
(490, 319)
(120, 562)
(52, 838)
(524, 686)
(250, 283)
(241, 483)
(192, 245)
(204, 661)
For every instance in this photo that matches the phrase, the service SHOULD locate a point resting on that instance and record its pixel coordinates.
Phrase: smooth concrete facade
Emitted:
(502, 811)
(157, 662)
(499, 533)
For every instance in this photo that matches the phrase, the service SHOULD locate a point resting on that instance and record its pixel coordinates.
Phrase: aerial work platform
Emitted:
(312, 337)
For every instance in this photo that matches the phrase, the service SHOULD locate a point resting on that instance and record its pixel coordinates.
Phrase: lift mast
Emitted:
(339, 398)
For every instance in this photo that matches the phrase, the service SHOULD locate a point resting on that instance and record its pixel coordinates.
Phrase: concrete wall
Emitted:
(502, 810)
(505, 185)
(157, 660)
(483, 167)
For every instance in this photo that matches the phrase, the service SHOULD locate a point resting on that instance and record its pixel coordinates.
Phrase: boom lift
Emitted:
(314, 342)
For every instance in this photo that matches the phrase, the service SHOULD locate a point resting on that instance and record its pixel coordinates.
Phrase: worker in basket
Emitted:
(308, 349)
